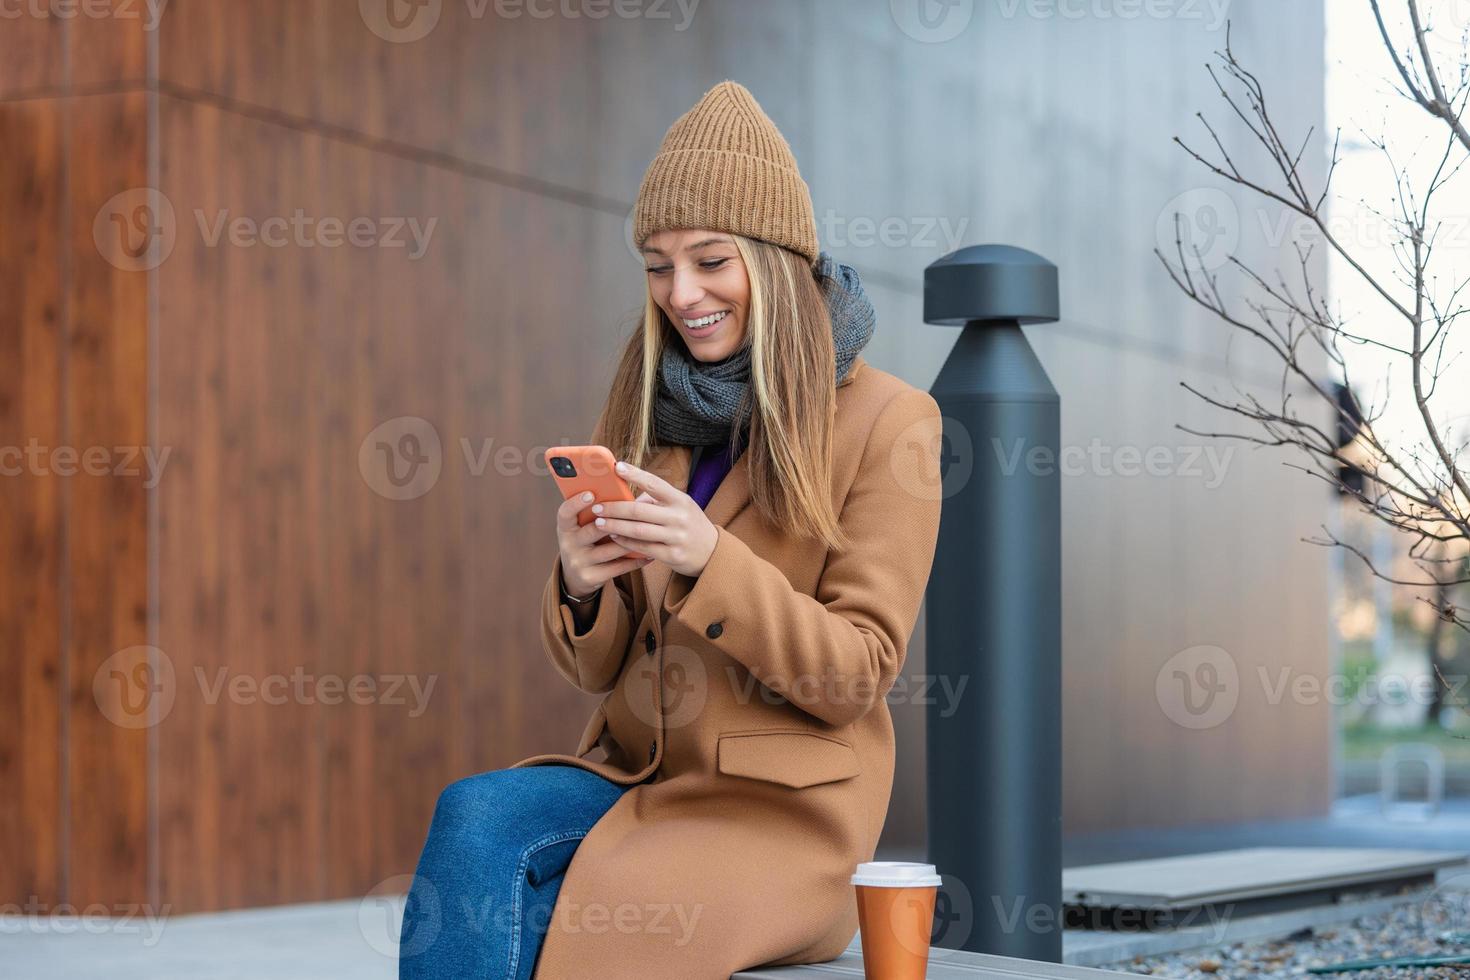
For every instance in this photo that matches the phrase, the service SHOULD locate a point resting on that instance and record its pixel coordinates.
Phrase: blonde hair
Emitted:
(792, 398)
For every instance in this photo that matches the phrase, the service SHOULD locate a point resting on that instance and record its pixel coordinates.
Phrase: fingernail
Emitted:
(587, 496)
(600, 522)
(597, 508)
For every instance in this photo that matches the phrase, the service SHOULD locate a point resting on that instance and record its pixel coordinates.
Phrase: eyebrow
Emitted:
(703, 243)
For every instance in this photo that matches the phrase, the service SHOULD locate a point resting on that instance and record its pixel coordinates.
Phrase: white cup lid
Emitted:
(896, 874)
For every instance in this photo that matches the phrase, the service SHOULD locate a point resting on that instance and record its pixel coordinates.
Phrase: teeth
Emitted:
(705, 321)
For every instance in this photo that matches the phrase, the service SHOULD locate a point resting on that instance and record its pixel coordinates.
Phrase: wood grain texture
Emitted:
(31, 55)
(106, 511)
(31, 280)
(277, 553)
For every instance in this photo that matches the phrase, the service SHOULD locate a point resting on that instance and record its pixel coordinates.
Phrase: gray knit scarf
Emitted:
(699, 403)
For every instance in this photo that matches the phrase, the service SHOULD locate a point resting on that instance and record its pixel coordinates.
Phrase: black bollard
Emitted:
(994, 612)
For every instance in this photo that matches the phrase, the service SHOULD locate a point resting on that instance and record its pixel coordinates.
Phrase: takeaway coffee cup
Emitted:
(895, 915)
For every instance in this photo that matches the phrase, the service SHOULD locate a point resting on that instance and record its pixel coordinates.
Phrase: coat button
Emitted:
(649, 643)
(713, 631)
(652, 750)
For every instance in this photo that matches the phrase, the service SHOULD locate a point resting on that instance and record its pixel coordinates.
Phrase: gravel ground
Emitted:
(1433, 923)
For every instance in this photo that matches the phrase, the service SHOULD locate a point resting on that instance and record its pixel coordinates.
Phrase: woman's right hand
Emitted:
(585, 565)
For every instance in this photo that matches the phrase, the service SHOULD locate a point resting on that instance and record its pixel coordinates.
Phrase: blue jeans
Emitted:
(491, 869)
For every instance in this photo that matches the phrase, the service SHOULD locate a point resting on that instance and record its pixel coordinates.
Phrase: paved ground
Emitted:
(352, 939)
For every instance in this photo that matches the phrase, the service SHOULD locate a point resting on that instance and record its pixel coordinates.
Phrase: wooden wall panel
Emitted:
(31, 519)
(45, 50)
(110, 50)
(106, 514)
(446, 92)
(76, 325)
(275, 364)
(31, 55)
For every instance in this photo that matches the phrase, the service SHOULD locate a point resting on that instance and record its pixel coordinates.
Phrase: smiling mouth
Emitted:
(706, 324)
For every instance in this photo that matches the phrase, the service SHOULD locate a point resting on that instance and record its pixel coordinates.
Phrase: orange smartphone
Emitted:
(578, 469)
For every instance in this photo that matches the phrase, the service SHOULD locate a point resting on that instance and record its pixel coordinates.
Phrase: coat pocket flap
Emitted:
(593, 731)
(793, 758)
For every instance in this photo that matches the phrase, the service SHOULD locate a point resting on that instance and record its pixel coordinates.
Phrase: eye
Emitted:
(658, 270)
(712, 264)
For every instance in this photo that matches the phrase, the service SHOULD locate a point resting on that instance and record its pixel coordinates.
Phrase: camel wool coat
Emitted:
(746, 709)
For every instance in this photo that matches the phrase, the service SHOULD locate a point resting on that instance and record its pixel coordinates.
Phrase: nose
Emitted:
(685, 293)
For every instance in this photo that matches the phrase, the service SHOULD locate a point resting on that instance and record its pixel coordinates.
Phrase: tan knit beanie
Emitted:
(724, 165)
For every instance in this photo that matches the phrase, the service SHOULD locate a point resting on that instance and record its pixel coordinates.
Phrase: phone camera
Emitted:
(563, 466)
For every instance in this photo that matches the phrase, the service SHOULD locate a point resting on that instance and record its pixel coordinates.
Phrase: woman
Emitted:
(785, 529)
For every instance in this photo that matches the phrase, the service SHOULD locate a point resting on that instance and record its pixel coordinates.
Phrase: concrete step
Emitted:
(944, 964)
(1265, 876)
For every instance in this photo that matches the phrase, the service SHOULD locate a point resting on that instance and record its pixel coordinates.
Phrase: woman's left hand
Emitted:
(664, 523)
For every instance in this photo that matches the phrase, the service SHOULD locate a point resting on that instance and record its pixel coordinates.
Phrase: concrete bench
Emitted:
(944, 964)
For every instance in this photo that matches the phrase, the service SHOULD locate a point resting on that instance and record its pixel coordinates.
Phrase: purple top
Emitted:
(704, 479)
